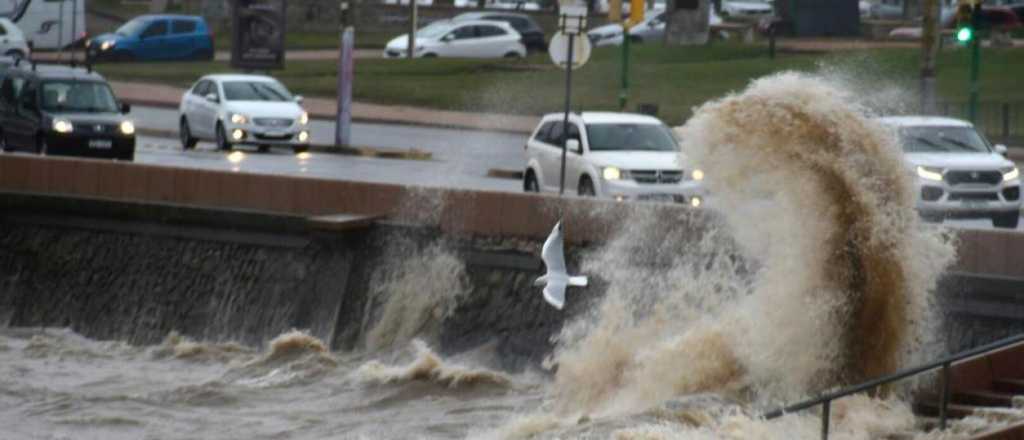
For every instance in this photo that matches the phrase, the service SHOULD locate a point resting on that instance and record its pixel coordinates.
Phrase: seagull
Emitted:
(557, 278)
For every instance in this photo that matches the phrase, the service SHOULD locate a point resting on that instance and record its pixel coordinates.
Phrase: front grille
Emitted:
(84, 127)
(273, 122)
(974, 196)
(273, 138)
(956, 177)
(931, 193)
(651, 177)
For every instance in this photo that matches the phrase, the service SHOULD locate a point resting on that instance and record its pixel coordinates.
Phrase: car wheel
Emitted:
(586, 188)
(204, 55)
(1008, 220)
(530, 183)
(512, 55)
(430, 55)
(42, 148)
(222, 139)
(187, 141)
(263, 148)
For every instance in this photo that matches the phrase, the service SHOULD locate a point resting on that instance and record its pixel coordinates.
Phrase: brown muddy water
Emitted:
(835, 285)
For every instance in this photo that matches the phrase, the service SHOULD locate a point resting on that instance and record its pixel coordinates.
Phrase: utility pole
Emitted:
(975, 63)
(412, 28)
(929, 52)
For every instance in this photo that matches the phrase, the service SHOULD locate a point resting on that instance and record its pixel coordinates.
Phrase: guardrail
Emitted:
(826, 400)
(1000, 121)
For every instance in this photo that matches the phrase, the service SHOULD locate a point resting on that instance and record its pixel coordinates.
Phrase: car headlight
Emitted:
(929, 173)
(1010, 174)
(612, 173)
(304, 118)
(88, 44)
(697, 174)
(127, 128)
(107, 45)
(62, 126)
(240, 119)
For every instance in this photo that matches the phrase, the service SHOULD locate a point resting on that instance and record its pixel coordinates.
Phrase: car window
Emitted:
(183, 26)
(132, 28)
(464, 33)
(255, 91)
(490, 31)
(942, 140)
(556, 135)
(200, 88)
(27, 97)
(78, 96)
(643, 137)
(542, 134)
(155, 29)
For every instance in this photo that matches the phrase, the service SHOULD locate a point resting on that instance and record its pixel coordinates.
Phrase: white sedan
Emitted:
(242, 110)
(463, 39)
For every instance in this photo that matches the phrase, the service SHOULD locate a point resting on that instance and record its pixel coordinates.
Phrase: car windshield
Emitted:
(133, 27)
(643, 137)
(942, 140)
(78, 96)
(255, 91)
(434, 30)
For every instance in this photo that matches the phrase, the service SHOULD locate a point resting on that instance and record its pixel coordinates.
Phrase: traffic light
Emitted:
(965, 23)
(965, 34)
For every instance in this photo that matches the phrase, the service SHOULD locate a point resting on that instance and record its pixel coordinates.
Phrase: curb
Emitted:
(331, 117)
(409, 154)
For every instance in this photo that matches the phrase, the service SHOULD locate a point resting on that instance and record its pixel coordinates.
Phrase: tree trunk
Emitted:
(929, 52)
(687, 22)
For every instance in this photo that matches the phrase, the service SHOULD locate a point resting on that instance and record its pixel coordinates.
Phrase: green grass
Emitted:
(676, 79)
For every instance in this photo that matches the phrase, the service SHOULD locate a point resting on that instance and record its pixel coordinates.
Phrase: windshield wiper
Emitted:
(960, 144)
(928, 142)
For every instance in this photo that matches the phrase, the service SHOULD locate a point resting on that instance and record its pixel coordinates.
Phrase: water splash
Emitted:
(428, 366)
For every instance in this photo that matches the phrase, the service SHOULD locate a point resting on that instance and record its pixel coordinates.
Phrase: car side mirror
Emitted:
(126, 108)
(299, 99)
(574, 146)
(1001, 149)
(212, 97)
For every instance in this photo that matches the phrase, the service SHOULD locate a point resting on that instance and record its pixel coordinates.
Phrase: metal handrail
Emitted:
(826, 400)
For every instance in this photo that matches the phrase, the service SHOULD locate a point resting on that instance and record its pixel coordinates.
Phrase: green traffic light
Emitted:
(965, 34)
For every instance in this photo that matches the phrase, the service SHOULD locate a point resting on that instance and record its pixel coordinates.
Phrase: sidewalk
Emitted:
(166, 96)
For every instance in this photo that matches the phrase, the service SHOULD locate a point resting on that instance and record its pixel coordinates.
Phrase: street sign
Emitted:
(258, 29)
(558, 49)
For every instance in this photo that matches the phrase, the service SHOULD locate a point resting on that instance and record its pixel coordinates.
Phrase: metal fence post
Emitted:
(944, 401)
(826, 409)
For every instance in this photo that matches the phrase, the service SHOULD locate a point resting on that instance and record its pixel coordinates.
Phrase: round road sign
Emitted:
(558, 48)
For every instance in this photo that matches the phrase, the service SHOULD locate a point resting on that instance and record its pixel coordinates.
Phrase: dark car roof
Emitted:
(491, 15)
(56, 71)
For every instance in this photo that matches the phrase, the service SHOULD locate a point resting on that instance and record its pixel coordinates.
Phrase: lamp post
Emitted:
(571, 23)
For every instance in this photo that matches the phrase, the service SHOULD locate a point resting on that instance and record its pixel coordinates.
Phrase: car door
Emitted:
(207, 110)
(153, 41)
(551, 150)
(575, 160)
(492, 41)
(192, 110)
(27, 116)
(459, 42)
(182, 38)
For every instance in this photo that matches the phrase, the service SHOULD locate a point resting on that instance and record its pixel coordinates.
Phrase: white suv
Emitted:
(612, 155)
(959, 174)
(12, 40)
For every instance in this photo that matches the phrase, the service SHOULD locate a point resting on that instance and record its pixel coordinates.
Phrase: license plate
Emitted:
(102, 144)
(975, 203)
(658, 197)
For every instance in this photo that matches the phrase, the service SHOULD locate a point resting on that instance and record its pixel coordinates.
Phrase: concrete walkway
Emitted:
(167, 96)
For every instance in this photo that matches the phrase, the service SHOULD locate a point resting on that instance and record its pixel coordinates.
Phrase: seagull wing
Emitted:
(554, 294)
(553, 252)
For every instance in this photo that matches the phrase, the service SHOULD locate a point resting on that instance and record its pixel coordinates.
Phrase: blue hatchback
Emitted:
(155, 37)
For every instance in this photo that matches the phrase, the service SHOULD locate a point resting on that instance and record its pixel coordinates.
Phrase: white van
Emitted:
(47, 24)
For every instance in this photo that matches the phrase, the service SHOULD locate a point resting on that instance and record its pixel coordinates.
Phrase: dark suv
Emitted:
(61, 110)
(533, 35)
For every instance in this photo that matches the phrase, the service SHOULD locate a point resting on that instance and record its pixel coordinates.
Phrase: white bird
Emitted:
(557, 278)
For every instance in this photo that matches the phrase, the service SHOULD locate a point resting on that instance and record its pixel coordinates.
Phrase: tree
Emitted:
(687, 22)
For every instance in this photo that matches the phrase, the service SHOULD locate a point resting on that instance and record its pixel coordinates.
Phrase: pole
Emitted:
(975, 65)
(624, 93)
(565, 120)
(60, 31)
(343, 123)
(412, 29)
(74, 26)
(929, 51)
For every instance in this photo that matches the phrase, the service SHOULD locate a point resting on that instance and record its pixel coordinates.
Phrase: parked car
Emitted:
(12, 40)
(959, 173)
(651, 28)
(66, 111)
(155, 37)
(533, 35)
(231, 110)
(514, 5)
(620, 156)
(464, 39)
(747, 10)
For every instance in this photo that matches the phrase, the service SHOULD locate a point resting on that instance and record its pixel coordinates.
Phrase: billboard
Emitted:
(257, 38)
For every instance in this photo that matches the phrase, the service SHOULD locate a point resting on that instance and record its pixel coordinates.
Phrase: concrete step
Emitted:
(1015, 386)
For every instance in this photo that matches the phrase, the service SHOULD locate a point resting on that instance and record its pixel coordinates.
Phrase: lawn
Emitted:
(676, 79)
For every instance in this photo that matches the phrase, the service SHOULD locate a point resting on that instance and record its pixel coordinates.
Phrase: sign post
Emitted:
(257, 38)
(569, 49)
(343, 124)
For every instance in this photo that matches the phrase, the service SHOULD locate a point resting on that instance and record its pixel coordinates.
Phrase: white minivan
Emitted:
(620, 156)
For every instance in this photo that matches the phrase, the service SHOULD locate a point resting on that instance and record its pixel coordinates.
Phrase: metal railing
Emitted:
(826, 400)
(1001, 121)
